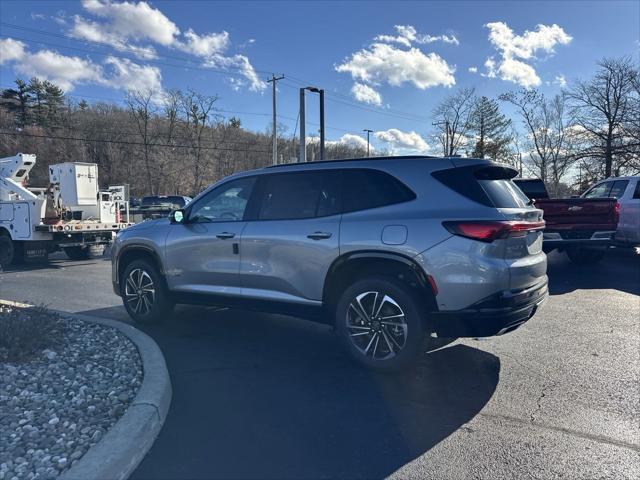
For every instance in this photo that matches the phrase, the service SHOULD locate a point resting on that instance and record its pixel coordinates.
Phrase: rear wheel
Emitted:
(7, 250)
(380, 324)
(585, 255)
(144, 293)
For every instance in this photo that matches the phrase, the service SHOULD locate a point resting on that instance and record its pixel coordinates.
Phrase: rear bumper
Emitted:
(496, 315)
(563, 239)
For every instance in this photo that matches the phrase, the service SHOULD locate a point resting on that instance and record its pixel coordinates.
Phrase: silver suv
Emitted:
(389, 250)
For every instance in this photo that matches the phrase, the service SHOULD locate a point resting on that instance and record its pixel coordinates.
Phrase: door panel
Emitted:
(202, 254)
(287, 249)
(278, 260)
(198, 261)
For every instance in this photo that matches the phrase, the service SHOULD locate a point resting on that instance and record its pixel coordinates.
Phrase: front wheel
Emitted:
(7, 250)
(144, 294)
(584, 255)
(380, 324)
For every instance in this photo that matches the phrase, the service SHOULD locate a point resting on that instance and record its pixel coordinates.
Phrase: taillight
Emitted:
(616, 211)
(488, 231)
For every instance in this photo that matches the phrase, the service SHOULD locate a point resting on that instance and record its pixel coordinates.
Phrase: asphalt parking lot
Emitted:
(266, 396)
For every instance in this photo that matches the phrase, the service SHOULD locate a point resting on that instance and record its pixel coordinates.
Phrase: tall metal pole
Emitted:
(273, 81)
(303, 147)
(321, 124)
(368, 132)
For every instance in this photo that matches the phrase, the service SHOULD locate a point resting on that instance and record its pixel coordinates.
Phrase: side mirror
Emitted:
(177, 216)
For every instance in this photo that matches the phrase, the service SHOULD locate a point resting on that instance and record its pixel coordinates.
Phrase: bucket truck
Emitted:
(71, 214)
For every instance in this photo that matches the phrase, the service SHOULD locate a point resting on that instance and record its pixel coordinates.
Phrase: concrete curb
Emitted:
(124, 446)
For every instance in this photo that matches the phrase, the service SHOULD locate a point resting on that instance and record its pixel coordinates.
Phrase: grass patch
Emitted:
(25, 332)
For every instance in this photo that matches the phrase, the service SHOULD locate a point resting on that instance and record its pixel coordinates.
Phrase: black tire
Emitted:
(7, 250)
(585, 256)
(77, 253)
(144, 293)
(397, 347)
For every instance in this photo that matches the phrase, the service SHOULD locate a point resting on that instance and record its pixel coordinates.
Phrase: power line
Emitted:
(123, 142)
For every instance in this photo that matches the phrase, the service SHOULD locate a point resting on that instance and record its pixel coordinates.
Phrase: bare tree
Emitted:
(451, 119)
(198, 112)
(143, 110)
(549, 131)
(605, 108)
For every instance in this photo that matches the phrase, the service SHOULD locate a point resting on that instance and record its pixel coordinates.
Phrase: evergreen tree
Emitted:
(491, 128)
(17, 101)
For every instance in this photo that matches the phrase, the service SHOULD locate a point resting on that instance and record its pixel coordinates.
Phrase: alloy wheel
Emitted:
(139, 291)
(376, 325)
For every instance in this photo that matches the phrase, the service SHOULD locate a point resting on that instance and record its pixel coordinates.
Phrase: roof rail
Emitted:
(361, 159)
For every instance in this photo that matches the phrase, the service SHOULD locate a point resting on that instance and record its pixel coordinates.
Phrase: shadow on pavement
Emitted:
(263, 396)
(619, 270)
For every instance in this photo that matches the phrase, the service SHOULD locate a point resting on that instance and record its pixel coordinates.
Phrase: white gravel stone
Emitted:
(54, 408)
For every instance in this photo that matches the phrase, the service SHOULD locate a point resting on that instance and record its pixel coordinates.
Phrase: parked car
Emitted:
(584, 227)
(533, 188)
(157, 206)
(389, 250)
(626, 190)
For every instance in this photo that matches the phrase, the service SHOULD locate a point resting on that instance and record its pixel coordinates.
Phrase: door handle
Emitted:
(319, 235)
(225, 235)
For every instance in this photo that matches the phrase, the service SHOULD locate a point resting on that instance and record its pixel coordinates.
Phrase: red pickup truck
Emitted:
(582, 227)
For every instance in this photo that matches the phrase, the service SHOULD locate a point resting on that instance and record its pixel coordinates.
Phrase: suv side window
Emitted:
(618, 188)
(364, 189)
(599, 191)
(226, 203)
(297, 195)
(636, 193)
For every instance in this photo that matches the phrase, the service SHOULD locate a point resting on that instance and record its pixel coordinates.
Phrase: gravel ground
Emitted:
(59, 402)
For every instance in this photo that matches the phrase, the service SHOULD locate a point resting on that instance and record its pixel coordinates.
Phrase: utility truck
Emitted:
(71, 214)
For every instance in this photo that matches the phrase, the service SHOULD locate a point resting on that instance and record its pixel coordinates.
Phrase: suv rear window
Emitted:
(364, 189)
(504, 193)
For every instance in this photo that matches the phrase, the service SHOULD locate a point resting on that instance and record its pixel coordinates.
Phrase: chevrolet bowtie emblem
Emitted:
(575, 208)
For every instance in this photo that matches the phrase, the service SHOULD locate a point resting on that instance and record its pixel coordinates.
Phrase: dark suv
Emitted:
(389, 250)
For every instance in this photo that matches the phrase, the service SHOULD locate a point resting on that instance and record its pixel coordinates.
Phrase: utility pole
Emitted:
(321, 124)
(303, 146)
(446, 150)
(273, 81)
(368, 132)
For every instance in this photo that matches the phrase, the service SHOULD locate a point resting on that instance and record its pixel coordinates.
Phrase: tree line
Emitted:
(181, 143)
(584, 133)
(178, 144)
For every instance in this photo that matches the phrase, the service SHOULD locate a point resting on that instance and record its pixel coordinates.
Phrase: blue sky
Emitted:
(376, 75)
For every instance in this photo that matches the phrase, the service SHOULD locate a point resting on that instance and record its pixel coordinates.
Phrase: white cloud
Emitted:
(204, 45)
(381, 63)
(127, 75)
(62, 70)
(67, 72)
(518, 72)
(130, 20)
(122, 24)
(407, 34)
(366, 94)
(10, 50)
(243, 66)
(354, 141)
(473, 69)
(560, 80)
(516, 48)
(404, 141)
(95, 32)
